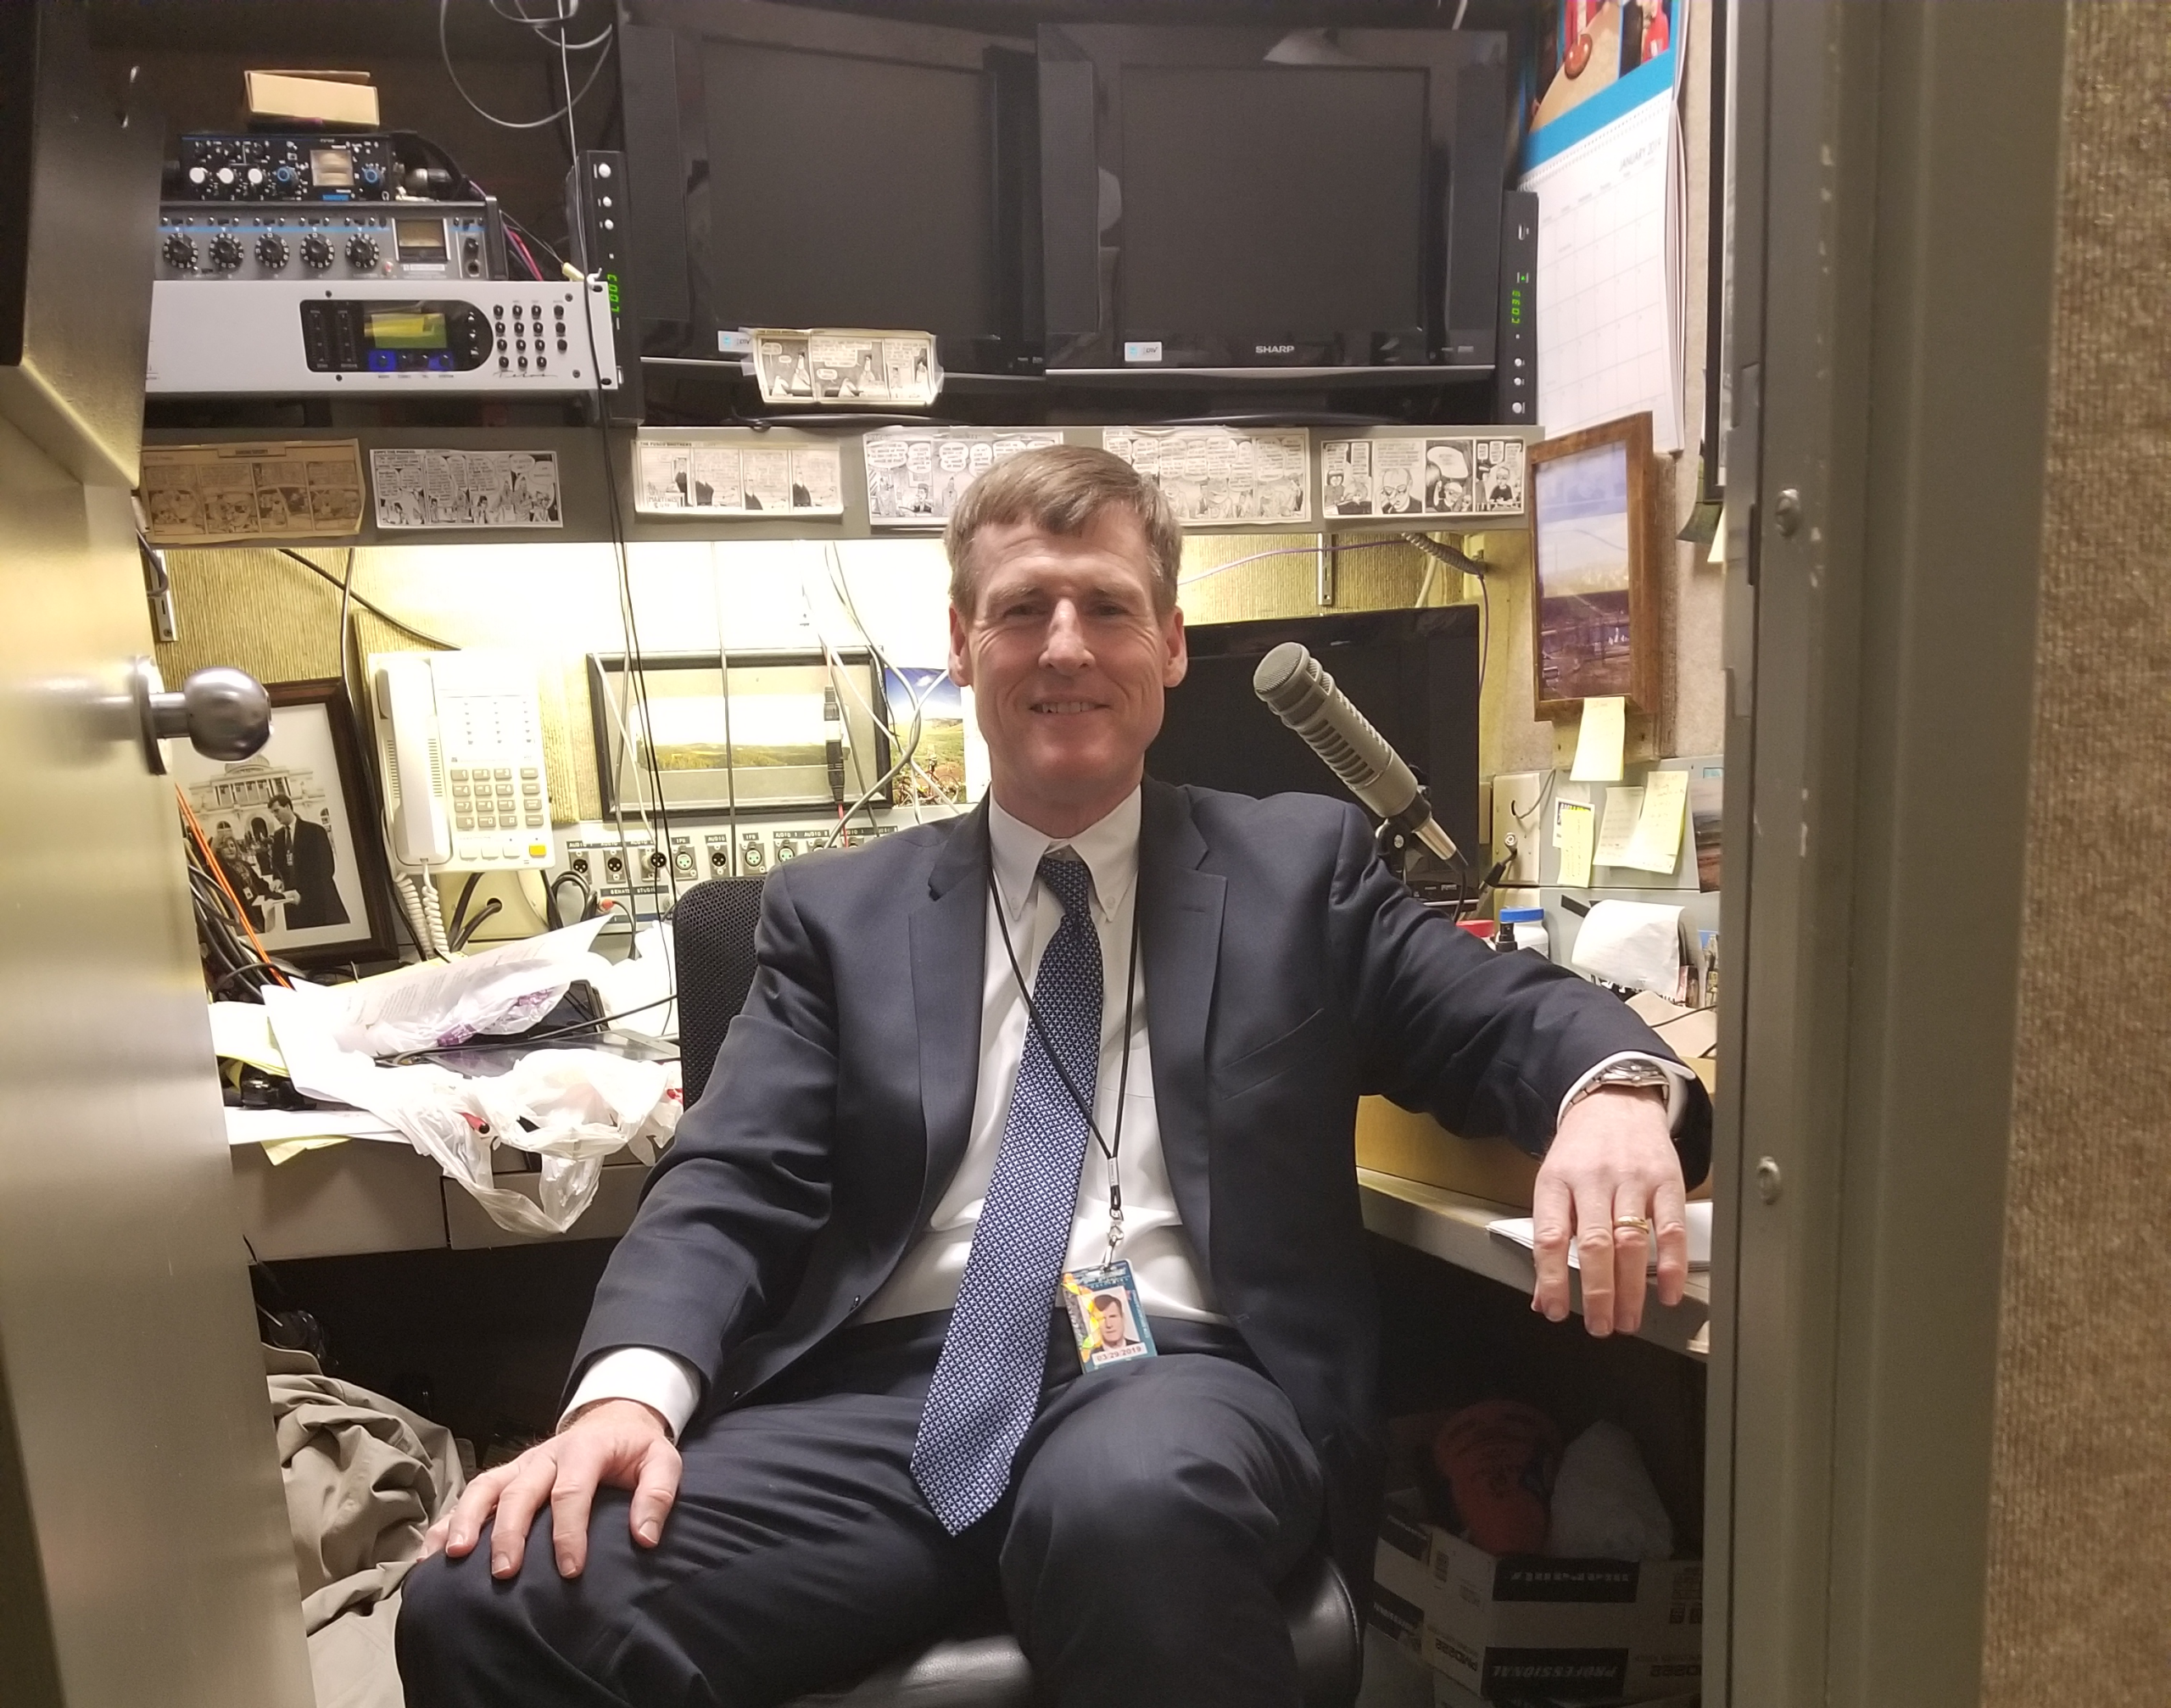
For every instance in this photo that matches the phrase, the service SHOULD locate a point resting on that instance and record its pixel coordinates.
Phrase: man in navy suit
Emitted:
(827, 1400)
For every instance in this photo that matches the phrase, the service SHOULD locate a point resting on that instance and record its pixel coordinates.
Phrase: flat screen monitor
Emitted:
(1239, 198)
(792, 168)
(1250, 191)
(1413, 673)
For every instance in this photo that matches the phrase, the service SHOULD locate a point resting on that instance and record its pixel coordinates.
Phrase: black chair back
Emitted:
(712, 932)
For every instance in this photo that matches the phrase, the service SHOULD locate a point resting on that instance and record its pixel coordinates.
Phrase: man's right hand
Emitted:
(616, 1444)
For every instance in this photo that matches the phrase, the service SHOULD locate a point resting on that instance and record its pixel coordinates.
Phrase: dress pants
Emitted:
(1153, 1506)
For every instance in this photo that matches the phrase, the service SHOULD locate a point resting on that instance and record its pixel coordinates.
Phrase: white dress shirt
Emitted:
(1171, 1281)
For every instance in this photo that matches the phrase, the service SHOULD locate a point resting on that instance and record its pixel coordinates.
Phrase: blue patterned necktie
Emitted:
(987, 1382)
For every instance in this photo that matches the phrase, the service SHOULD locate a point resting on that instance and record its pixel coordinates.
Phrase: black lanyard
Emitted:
(1111, 1150)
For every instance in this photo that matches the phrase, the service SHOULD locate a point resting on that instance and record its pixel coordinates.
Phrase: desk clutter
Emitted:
(1523, 1571)
(457, 1059)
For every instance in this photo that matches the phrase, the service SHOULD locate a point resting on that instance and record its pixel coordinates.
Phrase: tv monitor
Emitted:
(1233, 198)
(792, 167)
(1413, 673)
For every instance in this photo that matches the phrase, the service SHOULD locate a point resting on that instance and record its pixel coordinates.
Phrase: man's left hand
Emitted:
(1611, 1162)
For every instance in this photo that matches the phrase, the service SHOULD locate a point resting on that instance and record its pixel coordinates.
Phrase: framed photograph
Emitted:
(1593, 612)
(770, 732)
(292, 827)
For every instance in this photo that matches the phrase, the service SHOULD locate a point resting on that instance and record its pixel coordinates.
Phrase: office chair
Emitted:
(977, 1665)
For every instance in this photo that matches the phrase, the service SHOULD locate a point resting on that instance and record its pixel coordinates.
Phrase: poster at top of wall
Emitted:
(1440, 475)
(704, 478)
(204, 495)
(1223, 474)
(916, 475)
(853, 368)
(466, 488)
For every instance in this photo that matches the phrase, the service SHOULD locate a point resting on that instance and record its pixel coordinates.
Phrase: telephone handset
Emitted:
(460, 737)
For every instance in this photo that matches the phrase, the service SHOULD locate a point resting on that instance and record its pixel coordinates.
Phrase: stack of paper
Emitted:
(1521, 1231)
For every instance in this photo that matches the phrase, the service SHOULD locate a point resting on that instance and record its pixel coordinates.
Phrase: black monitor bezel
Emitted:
(1069, 160)
(684, 195)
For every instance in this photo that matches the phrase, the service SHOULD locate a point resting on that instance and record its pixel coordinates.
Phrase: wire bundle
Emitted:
(236, 962)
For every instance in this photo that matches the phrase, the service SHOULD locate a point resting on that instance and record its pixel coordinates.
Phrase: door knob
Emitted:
(224, 713)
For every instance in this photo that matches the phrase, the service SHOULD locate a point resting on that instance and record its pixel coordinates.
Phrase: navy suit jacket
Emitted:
(1287, 973)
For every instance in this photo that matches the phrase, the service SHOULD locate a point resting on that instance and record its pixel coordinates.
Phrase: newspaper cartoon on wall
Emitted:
(1222, 474)
(915, 476)
(466, 488)
(200, 494)
(1460, 477)
(683, 478)
(856, 368)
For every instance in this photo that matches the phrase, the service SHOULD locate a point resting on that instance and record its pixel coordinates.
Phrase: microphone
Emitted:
(1303, 696)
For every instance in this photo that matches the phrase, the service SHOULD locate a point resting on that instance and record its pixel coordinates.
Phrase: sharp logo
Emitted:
(1273, 350)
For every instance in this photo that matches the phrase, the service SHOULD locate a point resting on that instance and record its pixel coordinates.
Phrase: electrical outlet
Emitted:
(1518, 823)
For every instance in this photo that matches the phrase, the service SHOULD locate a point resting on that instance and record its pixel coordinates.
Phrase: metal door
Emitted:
(144, 1558)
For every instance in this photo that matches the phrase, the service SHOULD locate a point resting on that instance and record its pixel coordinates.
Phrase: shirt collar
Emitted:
(1109, 849)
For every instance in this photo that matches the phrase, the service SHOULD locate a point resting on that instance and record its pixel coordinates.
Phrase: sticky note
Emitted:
(1623, 807)
(1656, 845)
(1598, 743)
(1574, 831)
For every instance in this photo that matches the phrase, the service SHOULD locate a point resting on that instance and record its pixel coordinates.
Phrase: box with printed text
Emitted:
(1528, 1625)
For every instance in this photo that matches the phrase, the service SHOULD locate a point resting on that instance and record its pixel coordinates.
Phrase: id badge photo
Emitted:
(1106, 1319)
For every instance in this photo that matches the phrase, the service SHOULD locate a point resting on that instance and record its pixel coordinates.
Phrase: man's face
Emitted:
(1110, 1313)
(284, 813)
(1069, 661)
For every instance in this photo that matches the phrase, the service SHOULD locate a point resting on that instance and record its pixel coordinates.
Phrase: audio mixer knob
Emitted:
(271, 252)
(181, 252)
(316, 254)
(226, 253)
(362, 253)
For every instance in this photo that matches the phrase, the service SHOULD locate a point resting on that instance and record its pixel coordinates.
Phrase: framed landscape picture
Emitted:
(1594, 613)
(292, 830)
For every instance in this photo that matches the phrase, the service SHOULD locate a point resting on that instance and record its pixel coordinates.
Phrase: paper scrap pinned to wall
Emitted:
(1655, 843)
(916, 475)
(1573, 834)
(1599, 741)
(1224, 474)
(466, 488)
(201, 495)
(704, 477)
(836, 365)
(1623, 808)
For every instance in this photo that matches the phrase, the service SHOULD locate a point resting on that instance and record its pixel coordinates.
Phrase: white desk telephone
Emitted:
(460, 739)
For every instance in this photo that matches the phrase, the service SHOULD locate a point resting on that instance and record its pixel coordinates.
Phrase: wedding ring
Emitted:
(1641, 1223)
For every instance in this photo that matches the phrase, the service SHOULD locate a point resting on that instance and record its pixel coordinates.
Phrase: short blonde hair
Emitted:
(1060, 489)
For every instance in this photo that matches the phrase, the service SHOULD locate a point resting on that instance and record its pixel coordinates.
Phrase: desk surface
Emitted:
(370, 1195)
(1452, 1227)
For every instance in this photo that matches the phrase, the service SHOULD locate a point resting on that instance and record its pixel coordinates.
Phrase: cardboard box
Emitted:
(1526, 1625)
(1391, 1141)
(1417, 1148)
(312, 98)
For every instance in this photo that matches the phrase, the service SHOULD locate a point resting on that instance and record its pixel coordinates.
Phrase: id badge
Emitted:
(1106, 1318)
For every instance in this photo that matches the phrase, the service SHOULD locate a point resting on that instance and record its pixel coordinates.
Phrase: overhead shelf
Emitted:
(1452, 1227)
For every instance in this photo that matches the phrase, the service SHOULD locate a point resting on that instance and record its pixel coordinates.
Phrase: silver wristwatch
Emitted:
(1635, 1076)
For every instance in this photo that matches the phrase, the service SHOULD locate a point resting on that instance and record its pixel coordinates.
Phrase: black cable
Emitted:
(346, 585)
(490, 910)
(531, 237)
(460, 908)
(595, 1025)
(445, 54)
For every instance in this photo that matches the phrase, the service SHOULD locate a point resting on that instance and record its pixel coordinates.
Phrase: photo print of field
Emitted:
(1584, 628)
(936, 776)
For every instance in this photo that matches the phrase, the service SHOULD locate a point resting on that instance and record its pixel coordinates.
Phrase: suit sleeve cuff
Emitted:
(1677, 1079)
(661, 1380)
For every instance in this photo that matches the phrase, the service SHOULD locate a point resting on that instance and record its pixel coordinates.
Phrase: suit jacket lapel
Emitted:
(949, 947)
(1181, 932)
